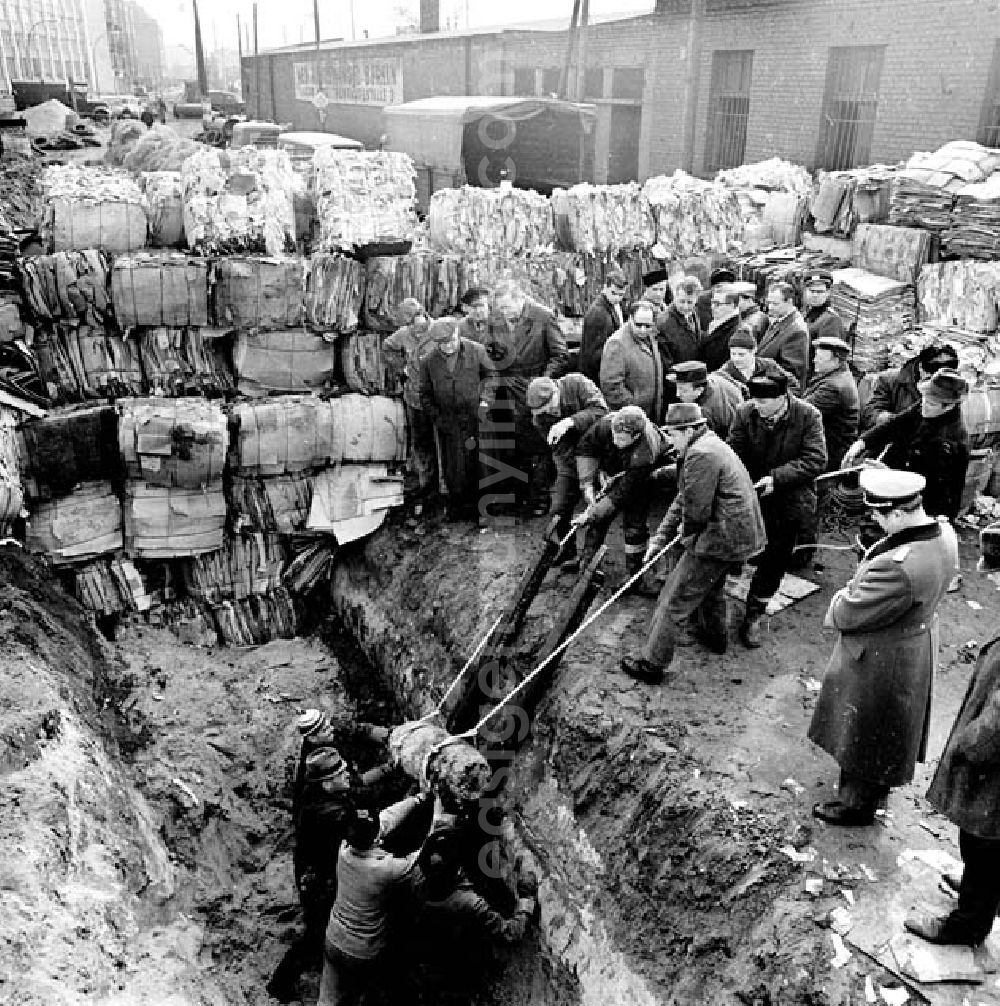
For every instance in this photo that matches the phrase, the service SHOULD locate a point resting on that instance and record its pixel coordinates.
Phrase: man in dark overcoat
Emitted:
(820, 318)
(966, 790)
(457, 388)
(874, 707)
(717, 513)
(787, 337)
(603, 318)
(780, 440)
(895, 390)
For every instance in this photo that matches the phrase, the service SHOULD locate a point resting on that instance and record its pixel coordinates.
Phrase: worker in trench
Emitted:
(873, 712)
(719, 520)
(563, 410)
(624, 448)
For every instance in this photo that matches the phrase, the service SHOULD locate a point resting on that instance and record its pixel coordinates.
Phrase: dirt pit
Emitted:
(145, 806)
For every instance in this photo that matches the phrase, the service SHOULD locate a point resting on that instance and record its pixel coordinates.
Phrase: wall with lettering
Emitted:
(356, 80)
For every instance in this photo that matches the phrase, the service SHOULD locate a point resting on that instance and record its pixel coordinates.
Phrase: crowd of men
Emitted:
(731, 416)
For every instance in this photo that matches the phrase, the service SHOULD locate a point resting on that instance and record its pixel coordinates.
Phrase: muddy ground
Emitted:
(144, 808)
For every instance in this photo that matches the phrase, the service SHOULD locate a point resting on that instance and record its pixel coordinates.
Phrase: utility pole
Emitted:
(581, 51)
(570, 46)
(199, 52)
(316, 20)
(239, 41)
(255, 29)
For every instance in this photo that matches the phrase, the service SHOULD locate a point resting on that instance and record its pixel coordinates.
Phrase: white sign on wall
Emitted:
(357, 80)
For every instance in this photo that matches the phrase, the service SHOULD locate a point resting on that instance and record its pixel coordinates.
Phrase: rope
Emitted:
(470, 733)
(461, 673)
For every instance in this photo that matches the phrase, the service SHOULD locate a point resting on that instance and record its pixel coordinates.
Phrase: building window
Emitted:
(593, 83)
(989, 120)
(627, 82)
(550, 80)
(849, 105)
(728, 109)
(524, 80)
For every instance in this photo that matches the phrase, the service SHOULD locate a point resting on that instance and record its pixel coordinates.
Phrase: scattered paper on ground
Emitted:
(793, 588)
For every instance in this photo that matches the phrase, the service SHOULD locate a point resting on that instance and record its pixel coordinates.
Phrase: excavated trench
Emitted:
(145, 808)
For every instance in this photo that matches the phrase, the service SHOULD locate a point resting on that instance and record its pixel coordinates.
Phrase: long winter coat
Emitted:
(599, 323)
(715, 507)
(835, 394)
(678, 339)
(533, 347)
(936, 447)
(632, 373)
(793, 453)
(714, 348)
(966, 785)
(787, 341)
(824, 322)
(874, 707)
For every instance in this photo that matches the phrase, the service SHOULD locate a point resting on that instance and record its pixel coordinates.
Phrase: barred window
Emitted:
(850, 102)
(728, 109)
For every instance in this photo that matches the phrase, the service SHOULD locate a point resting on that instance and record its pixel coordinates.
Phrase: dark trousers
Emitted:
(635, 528)
(306, 952)
(344, 978)
(859, 793)
(776, 559)
(979, 892)
(695, 586)
(459, 438)
(423, 454)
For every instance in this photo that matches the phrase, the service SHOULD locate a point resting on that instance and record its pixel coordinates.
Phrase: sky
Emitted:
(286, 22)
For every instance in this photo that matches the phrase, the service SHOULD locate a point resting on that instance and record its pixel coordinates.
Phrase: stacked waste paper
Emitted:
(363, 198)
(504, 220)
(773, 196)
(180, 362)
(261, 293)
(239, 201)
(79, 363)
(68, 286)
(159, 289)
(433, 279)
(335, 292)
(897, 252)
(965, 294)
(286, 361)
(974, 229)
(597, 219)
(91, 208)
(924, 191)
(845, 199)
(22, 204)
(11, 488)
(874, 309)
(112, 586)
(160, 149)
(165, 208)
(693, 217)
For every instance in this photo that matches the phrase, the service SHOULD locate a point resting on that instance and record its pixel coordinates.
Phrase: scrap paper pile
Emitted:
(874, 309)
(694, 217)
(598, 219)
(500, 221)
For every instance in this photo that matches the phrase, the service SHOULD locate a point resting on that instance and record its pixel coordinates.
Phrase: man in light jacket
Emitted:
(631, 368)
(874, 708)
(719, 518)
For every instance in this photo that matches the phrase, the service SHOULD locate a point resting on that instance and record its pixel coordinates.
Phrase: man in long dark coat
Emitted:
(603, 318)
(874, 708)
(457, 388)
(966, 790)
(787, 337)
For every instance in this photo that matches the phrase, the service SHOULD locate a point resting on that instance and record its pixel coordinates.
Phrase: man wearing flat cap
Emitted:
(563, 410)
(780, 440)
(457, 388)
(629, 445)
(821, 319)
(833, 390)
(715, 396)
(929, 438)
(719, 518)
(603, 318)
(873, 711)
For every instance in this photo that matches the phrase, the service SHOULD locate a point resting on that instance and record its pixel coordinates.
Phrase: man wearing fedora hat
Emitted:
(715, 396)
(821, 319)
(780, 440)
(719, 518)
(929, 438)
(873, 711)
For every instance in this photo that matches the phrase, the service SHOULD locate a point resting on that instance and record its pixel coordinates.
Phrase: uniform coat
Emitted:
(600, 322)
(966, 785)
(678, 337)
(632, 373)
(874, 707)
(715, 507)
(532, 347)
(936, 447)
(835, 394)
(793, 452)
(787, 341)
(823, 322)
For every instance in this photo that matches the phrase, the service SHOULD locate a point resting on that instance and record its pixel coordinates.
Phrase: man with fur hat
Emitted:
(895, 390)
(928, 438)
(403, 351)
(717, 513)
(563, 410)
(457, 388)
(744, 364)
(603, 318)
(821, 319)
(656, 289)
(715, 396)
(780, 440)
(631, 368)
(628, 445)
(873, 711)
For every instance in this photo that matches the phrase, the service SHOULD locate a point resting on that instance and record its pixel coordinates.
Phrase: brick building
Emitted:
(699, 84)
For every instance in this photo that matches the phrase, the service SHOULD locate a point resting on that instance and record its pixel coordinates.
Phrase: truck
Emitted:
(28, 93)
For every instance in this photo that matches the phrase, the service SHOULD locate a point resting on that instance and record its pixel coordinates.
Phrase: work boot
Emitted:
(750, 630)
(714, 641)
(838, 813)
(642, 670)
(944, 929)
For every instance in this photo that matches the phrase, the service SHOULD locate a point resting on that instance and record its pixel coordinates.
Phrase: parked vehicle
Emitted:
(191, 109)
(28, 93)
(302, 146)
(226, 103)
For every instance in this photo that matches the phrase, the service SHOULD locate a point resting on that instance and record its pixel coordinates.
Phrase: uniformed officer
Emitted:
(821, 319)
(833, 390)
(874, 708)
